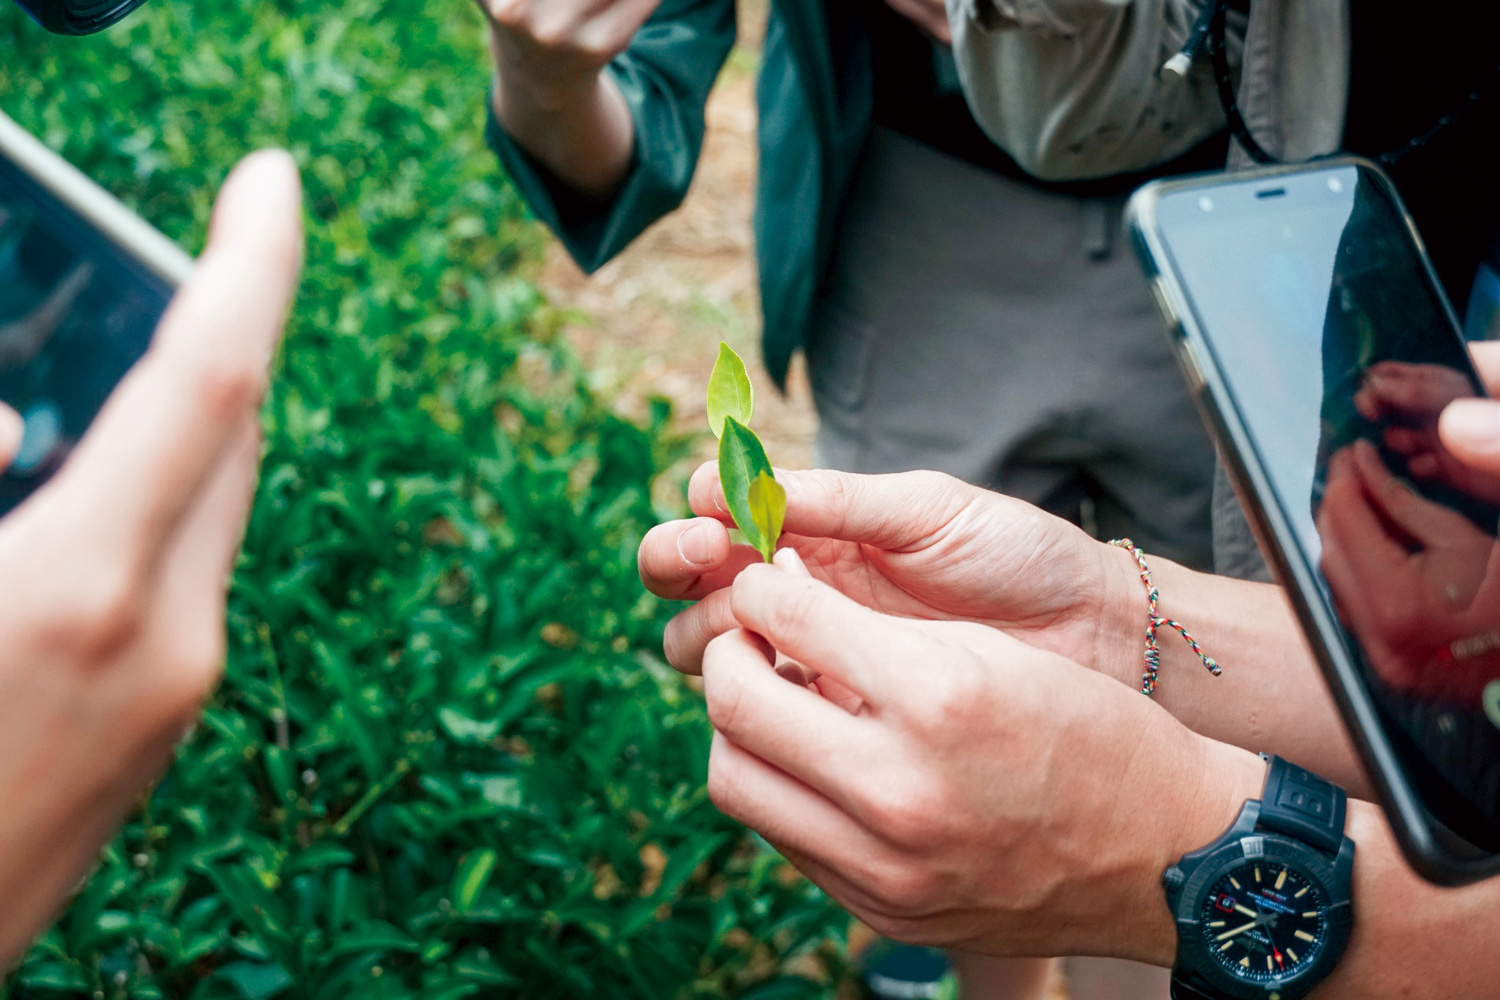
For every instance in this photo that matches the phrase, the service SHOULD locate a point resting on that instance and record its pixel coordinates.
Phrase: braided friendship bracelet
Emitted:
(1154, 621)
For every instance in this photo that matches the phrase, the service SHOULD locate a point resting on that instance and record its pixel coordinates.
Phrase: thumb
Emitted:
(12, 429)
(1470, 429)
(889, 511)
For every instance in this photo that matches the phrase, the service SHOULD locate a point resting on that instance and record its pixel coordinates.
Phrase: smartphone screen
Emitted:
(1339, 352)
(76, 311)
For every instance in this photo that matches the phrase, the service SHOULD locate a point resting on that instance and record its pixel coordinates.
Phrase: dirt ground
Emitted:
(649, 322)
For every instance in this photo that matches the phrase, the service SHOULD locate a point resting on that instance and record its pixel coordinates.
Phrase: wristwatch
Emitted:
(1264, 912)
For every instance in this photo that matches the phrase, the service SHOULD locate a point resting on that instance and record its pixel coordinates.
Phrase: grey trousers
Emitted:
(1002, 333)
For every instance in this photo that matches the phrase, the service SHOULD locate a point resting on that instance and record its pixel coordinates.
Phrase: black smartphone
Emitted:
(83, 283)
(1308, 319)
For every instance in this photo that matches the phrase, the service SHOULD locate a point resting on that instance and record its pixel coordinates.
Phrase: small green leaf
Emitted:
(373, 935)
(767, 500)
(729, 391)
(472, 875)
(255, 981)
(741, 459)
(465, 729)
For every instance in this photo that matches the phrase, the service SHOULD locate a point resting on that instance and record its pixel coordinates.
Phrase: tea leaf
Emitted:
(729, 391)
(767, 501)
(472, 876)
(741, 459)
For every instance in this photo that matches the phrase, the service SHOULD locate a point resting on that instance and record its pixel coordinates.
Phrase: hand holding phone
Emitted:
(1324, 352)
(113, 574)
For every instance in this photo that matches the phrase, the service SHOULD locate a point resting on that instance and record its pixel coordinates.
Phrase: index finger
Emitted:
(161, 433)
(826, 632)
(889, 511)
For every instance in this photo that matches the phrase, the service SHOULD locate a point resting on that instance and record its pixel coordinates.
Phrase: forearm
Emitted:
(583, 132)
(1270, 696)
(1411, 939)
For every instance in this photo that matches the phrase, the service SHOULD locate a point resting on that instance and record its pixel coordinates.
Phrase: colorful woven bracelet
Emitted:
(1155, 621)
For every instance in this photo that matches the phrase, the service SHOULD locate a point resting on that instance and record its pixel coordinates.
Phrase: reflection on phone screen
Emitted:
(75, 313)
(1340, 355)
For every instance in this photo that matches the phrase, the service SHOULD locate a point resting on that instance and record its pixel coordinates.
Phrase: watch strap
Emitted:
(1183, 990)
(1302, 805)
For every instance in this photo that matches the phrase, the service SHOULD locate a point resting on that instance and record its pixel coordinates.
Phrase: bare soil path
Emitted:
(649, 322)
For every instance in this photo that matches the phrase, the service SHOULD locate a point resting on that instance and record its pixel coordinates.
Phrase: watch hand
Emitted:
(1242, 908)
(1239, 930)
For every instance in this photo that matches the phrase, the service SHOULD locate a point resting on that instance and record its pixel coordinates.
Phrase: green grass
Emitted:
(447, 759)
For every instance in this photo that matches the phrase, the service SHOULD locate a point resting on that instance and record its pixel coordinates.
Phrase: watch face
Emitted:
(1264, 920)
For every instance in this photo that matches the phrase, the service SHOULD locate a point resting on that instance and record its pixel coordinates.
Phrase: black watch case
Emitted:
(1188, 882)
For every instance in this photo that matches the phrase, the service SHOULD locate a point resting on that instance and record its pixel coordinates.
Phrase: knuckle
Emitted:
(903, 890)
(904, 813)
(724, 787)
(554, 34)
(229, 388)
(725, 694)
(512, 14)
(102, 612)
(794, 615)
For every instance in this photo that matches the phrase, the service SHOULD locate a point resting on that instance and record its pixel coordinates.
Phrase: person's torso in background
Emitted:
(916, 92)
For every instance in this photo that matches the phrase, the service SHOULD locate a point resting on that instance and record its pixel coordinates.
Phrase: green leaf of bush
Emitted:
(730, 393)
(473, 872)
(442, 487)
(741, 458)
(767, 501)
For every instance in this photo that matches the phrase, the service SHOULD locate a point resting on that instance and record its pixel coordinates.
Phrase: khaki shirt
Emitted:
(1071, 89)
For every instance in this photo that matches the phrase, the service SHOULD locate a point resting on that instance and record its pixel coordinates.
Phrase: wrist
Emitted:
(1119, 642)
(1209, 794)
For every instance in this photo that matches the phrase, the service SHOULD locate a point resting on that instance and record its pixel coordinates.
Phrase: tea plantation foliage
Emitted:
(447, 760)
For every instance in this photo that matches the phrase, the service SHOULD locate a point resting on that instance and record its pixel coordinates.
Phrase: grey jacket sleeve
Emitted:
(1071, 89)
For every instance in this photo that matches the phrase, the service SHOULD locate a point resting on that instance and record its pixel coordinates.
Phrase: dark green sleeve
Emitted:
(665, 75)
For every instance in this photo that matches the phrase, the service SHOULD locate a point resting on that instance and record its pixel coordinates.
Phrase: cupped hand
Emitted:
(982, 794)
(557, 47)
(918, 545)
(1417, 582)
(113, 576)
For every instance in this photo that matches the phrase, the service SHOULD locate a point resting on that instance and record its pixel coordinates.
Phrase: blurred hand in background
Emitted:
(114, 575)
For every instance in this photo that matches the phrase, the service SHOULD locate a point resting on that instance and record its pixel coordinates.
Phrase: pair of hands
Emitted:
(113, 576)
(955, 774)
(967, 768)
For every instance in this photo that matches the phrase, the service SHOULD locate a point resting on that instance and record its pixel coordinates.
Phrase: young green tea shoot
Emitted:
(757, 502)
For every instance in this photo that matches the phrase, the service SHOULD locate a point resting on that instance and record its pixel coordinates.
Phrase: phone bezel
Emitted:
(1420, 836)
(100, 209)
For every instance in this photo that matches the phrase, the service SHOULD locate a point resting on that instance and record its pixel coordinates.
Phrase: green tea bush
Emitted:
(447, 759)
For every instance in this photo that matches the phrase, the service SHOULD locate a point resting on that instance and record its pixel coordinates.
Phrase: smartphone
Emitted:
(83, 283)
(1311, 325)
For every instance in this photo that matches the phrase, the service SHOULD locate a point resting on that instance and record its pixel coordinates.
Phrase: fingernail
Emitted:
(791, 561)
(695, 545)
(1475, 421)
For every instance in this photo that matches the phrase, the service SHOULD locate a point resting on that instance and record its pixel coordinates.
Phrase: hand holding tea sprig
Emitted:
(927, 546)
